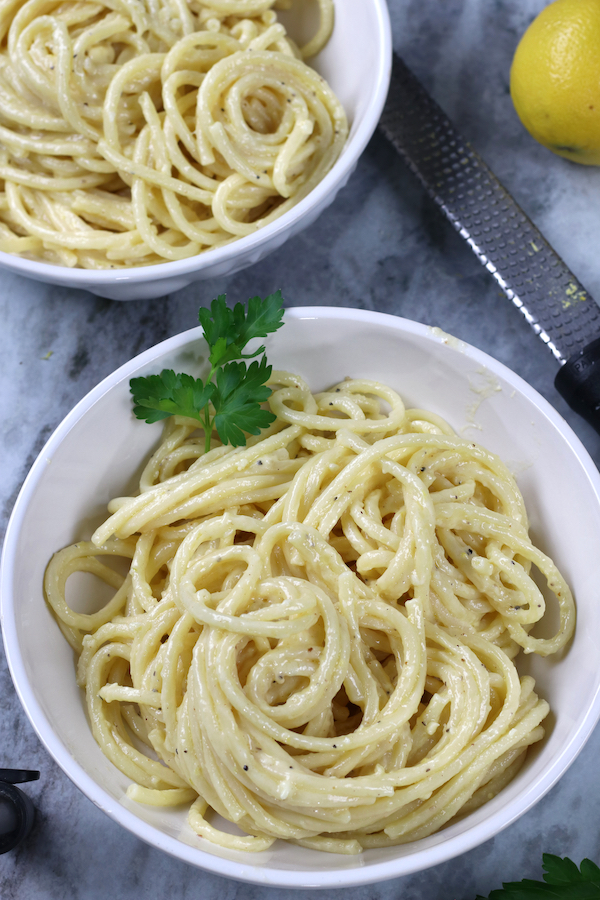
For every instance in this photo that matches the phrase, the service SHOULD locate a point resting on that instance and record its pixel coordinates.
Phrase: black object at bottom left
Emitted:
(16, 809)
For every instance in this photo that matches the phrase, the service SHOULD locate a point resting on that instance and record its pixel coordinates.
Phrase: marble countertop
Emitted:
(398, 256)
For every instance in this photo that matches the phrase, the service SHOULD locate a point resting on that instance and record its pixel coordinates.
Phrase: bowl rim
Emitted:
(342, 168)
(308, 877)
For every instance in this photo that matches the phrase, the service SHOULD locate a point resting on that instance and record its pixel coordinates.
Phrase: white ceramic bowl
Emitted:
(357, 64)
(96, 451)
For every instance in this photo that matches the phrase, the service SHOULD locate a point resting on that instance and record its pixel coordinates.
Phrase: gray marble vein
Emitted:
(398, 256)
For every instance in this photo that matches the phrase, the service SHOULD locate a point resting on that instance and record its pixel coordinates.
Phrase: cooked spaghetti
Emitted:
(135, 132)
(316, 635)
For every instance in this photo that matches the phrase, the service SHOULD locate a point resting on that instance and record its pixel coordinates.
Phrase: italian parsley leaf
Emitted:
(230, 398)
(562, 881)
(159, 396)
(240, 391)
(227, 331)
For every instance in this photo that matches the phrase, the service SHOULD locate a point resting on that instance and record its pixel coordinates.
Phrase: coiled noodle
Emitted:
(317, 632)
(135, 132)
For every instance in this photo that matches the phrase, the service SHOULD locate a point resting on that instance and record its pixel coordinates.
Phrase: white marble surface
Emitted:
(381, 246)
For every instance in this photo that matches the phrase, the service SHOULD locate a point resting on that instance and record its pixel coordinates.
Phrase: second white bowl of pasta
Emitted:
(149, 147)
(355, 634)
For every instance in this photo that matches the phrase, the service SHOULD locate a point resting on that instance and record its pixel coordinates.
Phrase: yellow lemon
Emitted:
(555, 79)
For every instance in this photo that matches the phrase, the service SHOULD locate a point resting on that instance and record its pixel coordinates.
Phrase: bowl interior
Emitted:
(98, 449)
(356, 62)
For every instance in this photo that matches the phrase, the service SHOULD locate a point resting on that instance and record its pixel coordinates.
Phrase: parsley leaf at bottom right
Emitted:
(562, 881)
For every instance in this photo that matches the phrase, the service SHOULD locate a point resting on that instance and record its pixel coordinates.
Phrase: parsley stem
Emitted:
(208, 427)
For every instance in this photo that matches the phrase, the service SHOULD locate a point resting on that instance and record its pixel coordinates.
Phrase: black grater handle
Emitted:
(578, 381)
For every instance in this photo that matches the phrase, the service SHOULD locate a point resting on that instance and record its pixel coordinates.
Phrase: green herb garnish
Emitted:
(562, 881)
(229, 400)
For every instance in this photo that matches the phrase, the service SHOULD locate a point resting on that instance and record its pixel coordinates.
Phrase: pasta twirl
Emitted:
(134, 133)
(317, 632)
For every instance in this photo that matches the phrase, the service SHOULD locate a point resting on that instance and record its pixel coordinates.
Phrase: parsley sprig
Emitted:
(562, 881)
(230, 398)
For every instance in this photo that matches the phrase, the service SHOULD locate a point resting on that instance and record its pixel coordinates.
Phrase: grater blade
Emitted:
(505, 240)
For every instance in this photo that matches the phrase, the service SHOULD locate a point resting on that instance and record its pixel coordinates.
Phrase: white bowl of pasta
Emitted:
(330, 636)
(148, 148)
